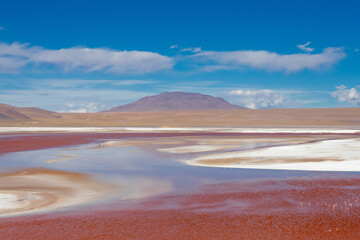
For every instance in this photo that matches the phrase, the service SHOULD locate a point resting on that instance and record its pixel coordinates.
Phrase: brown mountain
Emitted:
(24, 114)
(8, 112)
(175, 101)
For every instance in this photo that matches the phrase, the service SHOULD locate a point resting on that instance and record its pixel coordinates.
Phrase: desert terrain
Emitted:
(216, 118)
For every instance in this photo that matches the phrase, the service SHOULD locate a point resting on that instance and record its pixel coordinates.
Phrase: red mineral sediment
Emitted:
(324, 207)
(297, 208)
(25, 142)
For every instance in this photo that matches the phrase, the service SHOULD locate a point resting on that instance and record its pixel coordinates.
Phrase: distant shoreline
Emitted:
(260, 130)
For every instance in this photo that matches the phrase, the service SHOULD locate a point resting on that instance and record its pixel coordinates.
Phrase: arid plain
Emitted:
(17, 116)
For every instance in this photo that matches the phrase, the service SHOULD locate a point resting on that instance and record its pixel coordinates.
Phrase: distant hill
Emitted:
(24, 114)
(34, 112)
(8, 112)
(175, 101)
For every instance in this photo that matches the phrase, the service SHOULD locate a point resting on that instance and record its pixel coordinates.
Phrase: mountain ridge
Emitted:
(24, 114)
(176, 101)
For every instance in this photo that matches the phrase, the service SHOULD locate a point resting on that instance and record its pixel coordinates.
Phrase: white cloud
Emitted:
(58, 83)
(262, 98)
(214, 68)
(270, 61)
(85, 107)
(11, 65)
(174, 46)
(349, 95)
(305, 47)
(131, 82)
(15, 56)
(71, 105)
(192, 49)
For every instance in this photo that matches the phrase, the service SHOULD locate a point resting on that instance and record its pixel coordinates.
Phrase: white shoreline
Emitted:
(193, 149)
(344, 152)
(328, 130)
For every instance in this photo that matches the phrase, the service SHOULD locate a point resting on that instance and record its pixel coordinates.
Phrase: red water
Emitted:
(299, 208)
(25, 142)
(323, 207)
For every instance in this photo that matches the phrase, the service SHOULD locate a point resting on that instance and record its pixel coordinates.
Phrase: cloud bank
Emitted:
(85, 107)
(263, 98)
(15, 56)
(348, 95)
(270, 61)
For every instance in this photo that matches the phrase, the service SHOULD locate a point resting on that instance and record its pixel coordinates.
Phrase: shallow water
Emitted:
(161, 197)
(142, 170)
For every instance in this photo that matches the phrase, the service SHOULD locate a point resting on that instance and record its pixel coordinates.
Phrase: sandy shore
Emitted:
(216, 118)
(43, 190)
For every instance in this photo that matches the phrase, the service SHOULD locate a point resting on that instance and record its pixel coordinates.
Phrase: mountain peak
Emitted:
(176, 101)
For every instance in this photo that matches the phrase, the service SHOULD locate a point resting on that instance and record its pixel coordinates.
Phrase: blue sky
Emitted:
(92, 55)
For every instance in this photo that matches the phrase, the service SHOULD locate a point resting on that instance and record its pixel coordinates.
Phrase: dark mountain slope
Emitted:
(174, 101)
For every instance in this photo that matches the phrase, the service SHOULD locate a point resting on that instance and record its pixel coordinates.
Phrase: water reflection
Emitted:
(119, 164)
